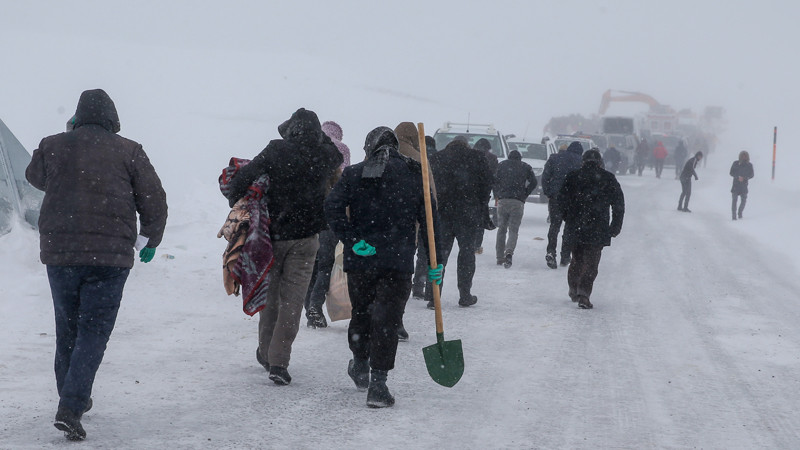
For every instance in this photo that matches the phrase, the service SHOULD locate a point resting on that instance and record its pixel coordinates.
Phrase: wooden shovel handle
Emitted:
(426, 188)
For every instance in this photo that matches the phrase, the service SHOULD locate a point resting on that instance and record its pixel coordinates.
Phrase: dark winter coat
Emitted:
(642, 152)
(558, 166)
(515, 178)
(95, 182)
(383, 211)
(689, 169)
(463, 183)
(484, 146)
(612, 157)
(586, 197)
(742, 169)
(299, 167)
(680, 154)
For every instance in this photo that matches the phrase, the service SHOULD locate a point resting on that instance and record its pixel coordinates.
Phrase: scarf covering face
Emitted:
(377, 146)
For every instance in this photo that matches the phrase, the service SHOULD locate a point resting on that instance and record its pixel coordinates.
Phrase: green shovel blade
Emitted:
(445, 361)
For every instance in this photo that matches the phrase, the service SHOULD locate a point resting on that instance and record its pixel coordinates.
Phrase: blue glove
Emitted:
(146, 255)
(363, 249)
(435, 275)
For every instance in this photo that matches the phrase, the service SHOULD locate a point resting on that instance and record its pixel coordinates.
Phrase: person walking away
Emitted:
(299, 167)
(421, 265)
(642, 154)
(375, 210)
(555, 172)
(680, 158)
(588, 195)
(463, 184)
(95, 183)
(514, 183)
(659, 155)
(326, 255)
(686, 181)
(484, 146)
(612, 159)
(742, 172)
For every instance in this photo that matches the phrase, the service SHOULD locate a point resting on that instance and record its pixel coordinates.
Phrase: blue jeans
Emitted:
(85, 300)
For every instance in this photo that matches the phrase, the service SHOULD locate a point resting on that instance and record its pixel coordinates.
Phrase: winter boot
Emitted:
(551, 260)
(378, 395)
(584, 303)
(358, 369)
(402, 334)
(431, 305)
(70, 424)
(279, 375)
(88, 405)
(315, 318)
(264, 363)
(565, 260)
(507, 261)
(467, 301)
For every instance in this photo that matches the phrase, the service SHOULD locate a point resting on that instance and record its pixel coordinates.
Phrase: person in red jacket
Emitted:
(659, 154)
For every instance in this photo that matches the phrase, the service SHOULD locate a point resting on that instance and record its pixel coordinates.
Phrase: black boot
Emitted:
(279, 375)
(402, 334)
(358, 369)
(378, 395)
(315, 318)
(551, 260)
(507, 261)
(70, 424)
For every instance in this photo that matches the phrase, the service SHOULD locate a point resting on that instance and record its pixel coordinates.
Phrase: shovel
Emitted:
(444, 359)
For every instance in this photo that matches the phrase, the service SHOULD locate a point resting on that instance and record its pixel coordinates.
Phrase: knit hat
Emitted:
(592, 156)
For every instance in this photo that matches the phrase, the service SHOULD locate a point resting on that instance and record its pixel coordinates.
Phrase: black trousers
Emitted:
(583, 270)
(378, 300)
(686, 193)
(735, 197)
(321, 276)
(556, 219)
(451, 230)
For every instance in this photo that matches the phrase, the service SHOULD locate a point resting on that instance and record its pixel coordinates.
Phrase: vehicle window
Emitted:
(531, 150)
(442, 139)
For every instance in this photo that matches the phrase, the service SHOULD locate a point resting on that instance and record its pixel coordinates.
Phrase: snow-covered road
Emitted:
(693, 343)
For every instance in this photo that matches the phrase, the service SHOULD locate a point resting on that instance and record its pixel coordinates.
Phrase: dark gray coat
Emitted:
(95, 182)
(587, 195)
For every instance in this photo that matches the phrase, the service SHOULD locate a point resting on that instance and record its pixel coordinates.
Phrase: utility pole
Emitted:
(774, 150)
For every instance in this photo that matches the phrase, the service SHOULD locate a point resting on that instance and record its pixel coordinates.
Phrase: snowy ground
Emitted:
(693, 343)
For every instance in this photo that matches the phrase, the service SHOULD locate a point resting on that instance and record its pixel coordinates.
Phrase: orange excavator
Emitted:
(626, 96)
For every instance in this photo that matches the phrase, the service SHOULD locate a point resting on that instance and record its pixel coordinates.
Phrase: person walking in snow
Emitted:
(484, 146)
(659, 155)
(613, 158)
(418, 285)
(642, 155)
(686, 181)
(374, 210)
(326, 255)
(299, 167)
(555, 172)
(588, 194)
(514, 183)
(95, 183)
(464, 185)
(742, 172)
(681, 152)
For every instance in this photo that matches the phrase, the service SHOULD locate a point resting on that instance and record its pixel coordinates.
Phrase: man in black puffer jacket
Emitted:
(374, 210)
(514, 183)
(463, 187)
(586, 196)
(95, 183)
(299, 167)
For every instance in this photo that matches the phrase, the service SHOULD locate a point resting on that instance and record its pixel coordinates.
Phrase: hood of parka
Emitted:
(95, 107)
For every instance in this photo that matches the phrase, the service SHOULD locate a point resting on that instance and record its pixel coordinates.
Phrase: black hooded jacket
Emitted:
(299, 167)
(515, 178)
(463, 182)
(558, 166)
(95, 183)
(384, 197)
(586, 197)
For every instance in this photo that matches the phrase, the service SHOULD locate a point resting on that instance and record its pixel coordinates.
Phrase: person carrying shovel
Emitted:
(374, 210)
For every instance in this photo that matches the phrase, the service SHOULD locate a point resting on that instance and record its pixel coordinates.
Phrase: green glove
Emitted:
(435, 275)
(363, 249)
(146, 255)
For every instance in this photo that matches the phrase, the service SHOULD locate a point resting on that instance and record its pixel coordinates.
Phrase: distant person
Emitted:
(326, 255)
(587, 195)
(555, 172)
(659, 155)
(374, 210)
(680, 158)
(299, 166)
(642, 155)
(742, 172)
(686, 181)
(515, 182)
(463, 187)
(95, 183)
(612, 159)
(484, 146)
